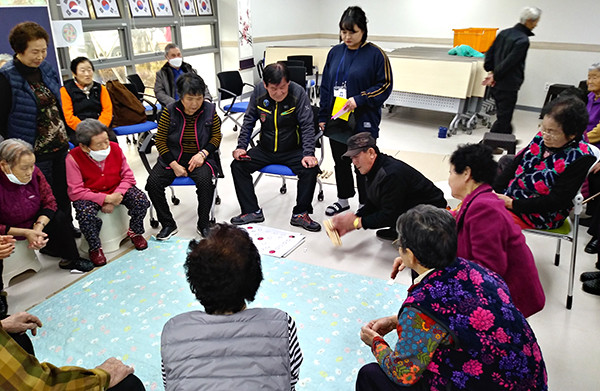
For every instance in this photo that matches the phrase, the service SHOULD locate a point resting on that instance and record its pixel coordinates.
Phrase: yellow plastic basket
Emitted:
(479, 38)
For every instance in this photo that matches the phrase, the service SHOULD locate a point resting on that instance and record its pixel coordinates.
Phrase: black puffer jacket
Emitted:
(506, 57)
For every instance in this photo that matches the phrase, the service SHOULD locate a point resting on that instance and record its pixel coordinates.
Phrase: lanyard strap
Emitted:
(337, 73)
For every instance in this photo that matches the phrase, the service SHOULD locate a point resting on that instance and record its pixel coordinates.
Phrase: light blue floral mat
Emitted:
(120, 309)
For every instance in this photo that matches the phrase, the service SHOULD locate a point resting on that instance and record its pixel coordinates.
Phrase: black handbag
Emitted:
(340, 130)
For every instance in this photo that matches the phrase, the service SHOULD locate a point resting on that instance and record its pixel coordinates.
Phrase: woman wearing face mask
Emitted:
(99, 179)
(28, 209)
(83, 98)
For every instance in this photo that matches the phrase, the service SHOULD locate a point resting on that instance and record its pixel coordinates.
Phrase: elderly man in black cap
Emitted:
(393, 187)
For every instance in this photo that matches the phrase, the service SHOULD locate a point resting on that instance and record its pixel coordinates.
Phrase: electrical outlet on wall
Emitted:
(547, 85)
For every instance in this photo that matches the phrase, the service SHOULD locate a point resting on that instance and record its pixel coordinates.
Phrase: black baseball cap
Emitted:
(359, 142)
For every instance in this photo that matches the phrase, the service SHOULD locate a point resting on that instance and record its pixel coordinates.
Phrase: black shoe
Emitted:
(303, 220)
(166, 233)
(254, 217)
(76, 233)
(588, 276)
(81, 264)
(203, 232)
(592, 246)
(387, 234)
(592, 286)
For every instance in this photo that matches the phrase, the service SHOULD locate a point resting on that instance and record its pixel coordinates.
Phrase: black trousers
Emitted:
(241, 171)
(593, 207)
(505, 107)
(161, 177)
(55, 171)
(343, 174)
(372, 378)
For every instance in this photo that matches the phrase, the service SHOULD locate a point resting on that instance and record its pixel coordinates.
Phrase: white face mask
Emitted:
(11, 177)
(100, 155)
(176, 62)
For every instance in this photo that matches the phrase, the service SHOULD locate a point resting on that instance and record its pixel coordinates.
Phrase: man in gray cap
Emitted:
(392, 186)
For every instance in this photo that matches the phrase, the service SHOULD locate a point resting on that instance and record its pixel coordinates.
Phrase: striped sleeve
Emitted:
(161, 136)
(215, 134)
(295, 353)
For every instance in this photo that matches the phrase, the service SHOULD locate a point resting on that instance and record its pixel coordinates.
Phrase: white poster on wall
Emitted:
(67, 33)
(245, 35)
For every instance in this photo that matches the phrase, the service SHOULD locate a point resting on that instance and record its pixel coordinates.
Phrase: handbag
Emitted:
(340, 130)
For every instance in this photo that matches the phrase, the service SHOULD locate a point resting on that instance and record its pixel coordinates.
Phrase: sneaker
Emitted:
(592, 286)
(303, 220)
(588, 276)
(97, 257)
(387, 234)
(83, 265)
(166, 233)
(139, 242)
(254, 217)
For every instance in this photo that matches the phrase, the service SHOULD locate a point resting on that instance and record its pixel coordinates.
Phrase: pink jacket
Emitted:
(488, 235)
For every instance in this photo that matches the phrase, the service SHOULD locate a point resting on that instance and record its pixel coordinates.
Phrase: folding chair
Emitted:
(285, 171)
(137, 82)
(312, 73)
(232, 87)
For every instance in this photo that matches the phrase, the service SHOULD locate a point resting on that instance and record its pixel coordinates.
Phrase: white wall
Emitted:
(573, 22)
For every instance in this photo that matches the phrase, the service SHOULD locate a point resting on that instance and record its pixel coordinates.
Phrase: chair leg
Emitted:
(573, 258)
(557, 254)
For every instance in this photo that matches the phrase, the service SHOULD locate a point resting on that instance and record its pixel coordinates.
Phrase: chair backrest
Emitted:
(292, 63)
(136, 80)
(307, 60)
(298, 75)
(260, 67)
(230, 81)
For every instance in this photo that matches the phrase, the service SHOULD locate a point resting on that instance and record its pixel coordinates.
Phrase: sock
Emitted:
(343, 202)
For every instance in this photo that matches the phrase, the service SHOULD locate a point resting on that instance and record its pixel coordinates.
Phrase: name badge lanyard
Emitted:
(337, 73)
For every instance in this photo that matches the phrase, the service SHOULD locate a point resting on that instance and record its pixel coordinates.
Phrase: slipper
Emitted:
(335, 208)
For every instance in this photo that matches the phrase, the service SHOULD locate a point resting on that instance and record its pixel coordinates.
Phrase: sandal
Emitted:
(335, 208)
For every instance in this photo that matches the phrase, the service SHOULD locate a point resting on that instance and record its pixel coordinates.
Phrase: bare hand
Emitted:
(508, 201)
(114, 198)
(351, 104)
(238, 152)
(21, 322)
(116, 369)
(7, 245)
(489, 80)
(108, 208)
(382, 326)
(343, 223)
(178, 169)
(309, 161)
(367, 335)
(322, 125)
(397, 267)
(595, 168)
(37, 239)
(196, 161)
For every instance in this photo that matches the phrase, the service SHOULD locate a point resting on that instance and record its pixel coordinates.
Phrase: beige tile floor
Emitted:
(569, 339)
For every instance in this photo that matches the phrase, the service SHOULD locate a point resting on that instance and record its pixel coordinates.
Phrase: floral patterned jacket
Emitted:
(463, 332)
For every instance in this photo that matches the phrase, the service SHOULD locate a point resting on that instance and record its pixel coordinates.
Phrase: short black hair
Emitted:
(23, 33)
(479, 158)
(78, 61)
(224, 269)
(190, 84)
(570, 113)
(354, 16)
(430, 233)
(275, 73)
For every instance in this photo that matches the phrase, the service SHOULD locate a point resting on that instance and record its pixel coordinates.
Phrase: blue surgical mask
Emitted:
(100, 155)
(11, 177)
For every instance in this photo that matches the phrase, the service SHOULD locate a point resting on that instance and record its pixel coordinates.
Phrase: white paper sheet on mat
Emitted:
(274, 242)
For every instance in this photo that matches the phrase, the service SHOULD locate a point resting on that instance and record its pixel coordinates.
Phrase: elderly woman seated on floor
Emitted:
(99, 179)
(457, 329)
(486, 232)
(28, 210)
(228, 346)
(539, 184)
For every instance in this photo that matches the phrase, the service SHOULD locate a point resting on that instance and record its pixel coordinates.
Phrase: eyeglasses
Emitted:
(551, 133)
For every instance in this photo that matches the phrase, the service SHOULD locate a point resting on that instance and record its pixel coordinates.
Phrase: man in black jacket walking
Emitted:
(505, 62)
(392, 187)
